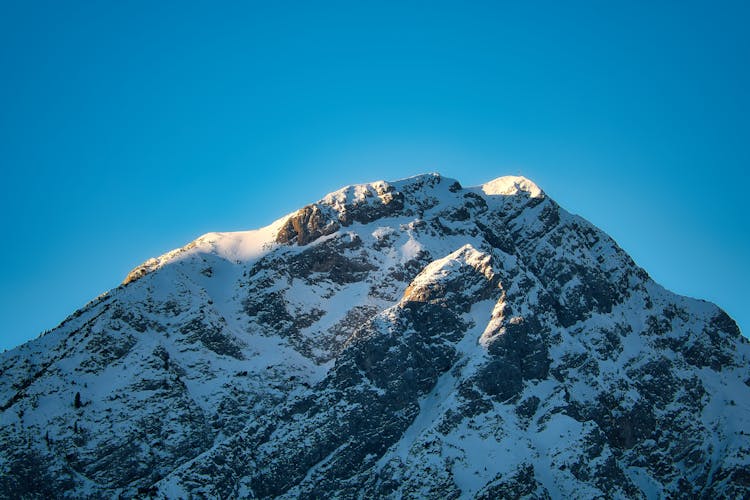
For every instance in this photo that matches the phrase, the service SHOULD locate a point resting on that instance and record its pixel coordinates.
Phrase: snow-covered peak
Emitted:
(237, 246)
(356, 193)
(467, 269)
(429, 178)
(356, 202)
(511, 185)
(467, 255)
(406, 339)
(361, 193)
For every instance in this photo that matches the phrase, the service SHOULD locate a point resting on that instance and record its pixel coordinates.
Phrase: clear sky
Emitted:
(130, 128)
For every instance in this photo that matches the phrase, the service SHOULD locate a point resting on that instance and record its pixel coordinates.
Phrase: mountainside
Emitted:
(411, 339)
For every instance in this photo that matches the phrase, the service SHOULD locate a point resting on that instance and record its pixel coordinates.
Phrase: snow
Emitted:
(512, 185)
(411, 250)
(242, 245)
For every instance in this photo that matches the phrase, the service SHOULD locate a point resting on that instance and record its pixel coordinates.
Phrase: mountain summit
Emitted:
(408, 339)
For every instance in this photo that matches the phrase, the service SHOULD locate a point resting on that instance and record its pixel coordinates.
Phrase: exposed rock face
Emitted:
(306, 225)
(402, 340)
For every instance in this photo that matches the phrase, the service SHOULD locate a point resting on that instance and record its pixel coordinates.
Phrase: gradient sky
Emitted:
(130, 128)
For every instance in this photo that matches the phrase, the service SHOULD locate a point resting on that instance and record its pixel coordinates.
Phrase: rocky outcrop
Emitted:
(308, 224)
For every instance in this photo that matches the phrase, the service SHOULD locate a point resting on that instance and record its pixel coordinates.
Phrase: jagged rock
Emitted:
(307, 225)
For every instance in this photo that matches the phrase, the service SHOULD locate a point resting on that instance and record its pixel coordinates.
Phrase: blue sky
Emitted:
(130, 128)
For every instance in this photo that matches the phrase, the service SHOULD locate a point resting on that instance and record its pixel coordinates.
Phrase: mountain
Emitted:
(409, 339)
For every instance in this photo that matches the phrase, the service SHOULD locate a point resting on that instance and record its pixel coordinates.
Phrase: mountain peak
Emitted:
(512, 185)
(392, 340)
